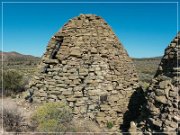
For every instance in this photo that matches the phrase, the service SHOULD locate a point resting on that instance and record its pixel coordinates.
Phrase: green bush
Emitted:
(13, 82)
(53, 117)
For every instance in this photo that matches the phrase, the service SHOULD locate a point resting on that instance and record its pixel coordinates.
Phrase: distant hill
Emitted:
(146, 67)
(15, 56)
(150, 59)
(26, 64)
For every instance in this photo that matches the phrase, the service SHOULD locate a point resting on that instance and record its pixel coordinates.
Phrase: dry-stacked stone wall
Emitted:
(86, 66)
(163, 94)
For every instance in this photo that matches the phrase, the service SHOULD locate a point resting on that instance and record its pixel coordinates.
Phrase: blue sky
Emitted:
(144, 29)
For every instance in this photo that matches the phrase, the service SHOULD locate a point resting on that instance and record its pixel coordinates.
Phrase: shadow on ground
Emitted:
(136, 102)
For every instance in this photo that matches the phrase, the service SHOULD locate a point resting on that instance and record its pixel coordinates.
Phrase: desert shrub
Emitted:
(13, 82)
(144, 85)
(109, 125)
(12, 120)
(53, 117)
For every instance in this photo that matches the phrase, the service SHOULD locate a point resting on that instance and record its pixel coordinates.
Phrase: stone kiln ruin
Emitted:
(163, 93)
(87, 67)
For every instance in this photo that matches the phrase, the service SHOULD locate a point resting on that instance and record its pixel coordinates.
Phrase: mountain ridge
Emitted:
(13, 55)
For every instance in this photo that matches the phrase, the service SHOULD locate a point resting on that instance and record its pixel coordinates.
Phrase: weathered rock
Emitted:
(133, 128)
(161, 99)
(163, 93)
(75, 52)
(50, 61)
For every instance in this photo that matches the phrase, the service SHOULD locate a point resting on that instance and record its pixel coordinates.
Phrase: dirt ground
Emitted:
(25, 109)
(15, 105)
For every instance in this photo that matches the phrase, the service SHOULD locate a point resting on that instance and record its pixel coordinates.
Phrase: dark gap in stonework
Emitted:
(59, 41)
